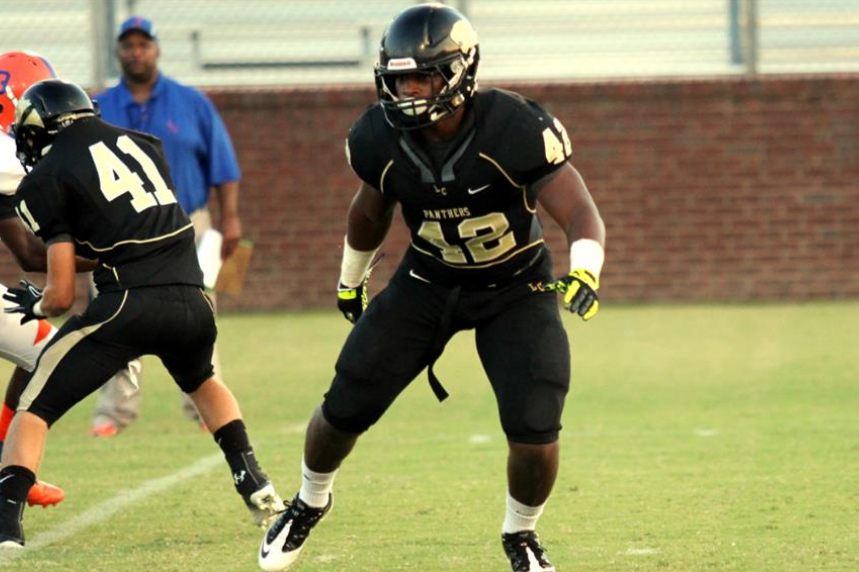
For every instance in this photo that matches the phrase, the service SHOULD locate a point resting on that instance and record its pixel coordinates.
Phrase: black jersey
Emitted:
(472, 211)
(110, 190)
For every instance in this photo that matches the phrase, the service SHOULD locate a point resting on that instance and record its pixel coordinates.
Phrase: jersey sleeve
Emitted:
(543, 143)
(41, 207)
(362, 152)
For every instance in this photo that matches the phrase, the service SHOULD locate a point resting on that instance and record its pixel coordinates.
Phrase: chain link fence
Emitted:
(287, 42)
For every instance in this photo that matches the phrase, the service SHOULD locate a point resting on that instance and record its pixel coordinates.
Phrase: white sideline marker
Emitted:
(706, 432)
(295, 428)
(641, 551)
(103, 511)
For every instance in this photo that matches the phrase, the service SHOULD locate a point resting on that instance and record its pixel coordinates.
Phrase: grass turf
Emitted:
(695, 438)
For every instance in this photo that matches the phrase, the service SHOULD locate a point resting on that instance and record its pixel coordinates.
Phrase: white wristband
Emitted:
(587, 254)
(355, 264)
(37, 310)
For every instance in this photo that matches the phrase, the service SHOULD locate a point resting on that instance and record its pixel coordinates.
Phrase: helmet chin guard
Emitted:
(430, 39)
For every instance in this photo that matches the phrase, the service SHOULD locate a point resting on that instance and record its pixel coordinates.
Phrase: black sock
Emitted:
(232, 438)
(15, 483)
(248, 476)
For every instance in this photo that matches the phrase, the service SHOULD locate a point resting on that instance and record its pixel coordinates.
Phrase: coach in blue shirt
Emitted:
(200, 155)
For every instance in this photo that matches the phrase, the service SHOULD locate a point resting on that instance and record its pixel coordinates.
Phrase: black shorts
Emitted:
(175, 323)
(520, 339)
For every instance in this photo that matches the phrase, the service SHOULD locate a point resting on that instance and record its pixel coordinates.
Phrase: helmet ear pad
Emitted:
(431, 39)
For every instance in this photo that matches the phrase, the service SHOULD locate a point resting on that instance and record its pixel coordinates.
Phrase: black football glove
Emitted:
(25, 297)
(579, 288)
(352, 301)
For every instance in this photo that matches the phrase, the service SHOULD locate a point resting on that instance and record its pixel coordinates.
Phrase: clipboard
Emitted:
(234, 269)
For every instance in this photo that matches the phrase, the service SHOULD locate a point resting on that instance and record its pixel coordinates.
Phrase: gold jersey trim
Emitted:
(479, 266)
(135, 241)
(52, 356)
(382, 178)
(523, 188)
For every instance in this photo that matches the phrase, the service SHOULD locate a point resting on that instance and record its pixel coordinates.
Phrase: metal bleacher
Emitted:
(270, 42)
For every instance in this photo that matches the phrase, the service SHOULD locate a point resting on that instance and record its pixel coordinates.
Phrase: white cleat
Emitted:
(265, 504)
(287, 536)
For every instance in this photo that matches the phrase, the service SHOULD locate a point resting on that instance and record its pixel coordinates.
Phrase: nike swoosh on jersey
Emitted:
(477, 190)
(418, 277)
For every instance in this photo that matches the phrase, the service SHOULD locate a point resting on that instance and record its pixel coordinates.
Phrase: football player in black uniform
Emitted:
(468, 169)
(106, 193)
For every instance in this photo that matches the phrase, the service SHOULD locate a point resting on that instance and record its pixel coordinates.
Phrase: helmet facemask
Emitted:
(459, 81)
(32, 138)
(34, 141)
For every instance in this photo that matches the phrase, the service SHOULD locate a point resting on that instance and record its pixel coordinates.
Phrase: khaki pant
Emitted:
(120, 398)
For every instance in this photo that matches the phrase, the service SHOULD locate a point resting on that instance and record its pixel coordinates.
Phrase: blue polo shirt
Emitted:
(196, 143)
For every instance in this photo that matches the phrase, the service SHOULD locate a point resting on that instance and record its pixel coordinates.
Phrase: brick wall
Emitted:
(712, 190)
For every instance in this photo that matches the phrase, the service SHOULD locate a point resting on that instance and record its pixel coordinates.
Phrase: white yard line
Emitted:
(103, 511)
(641, 551)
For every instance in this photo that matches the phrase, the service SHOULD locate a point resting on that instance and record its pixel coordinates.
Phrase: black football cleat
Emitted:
(525, 553)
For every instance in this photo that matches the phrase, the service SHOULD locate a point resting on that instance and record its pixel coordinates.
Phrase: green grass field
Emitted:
(704, 438)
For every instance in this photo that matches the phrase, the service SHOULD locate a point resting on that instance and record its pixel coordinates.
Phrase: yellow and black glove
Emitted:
(579, 288)
(352, 301)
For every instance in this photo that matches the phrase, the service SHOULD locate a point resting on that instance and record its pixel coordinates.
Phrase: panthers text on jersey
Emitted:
(472, 213)
(109, 190)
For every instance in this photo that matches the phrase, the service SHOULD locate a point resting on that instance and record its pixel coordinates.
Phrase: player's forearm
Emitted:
(587, 224)
(584, 220)
(228, 200)
(369, 219)
(85, 264)
(363, 239)
(29, 252)
(364, 233)
(54, 303)
(586, 240)
(29, 263)
(59, 293)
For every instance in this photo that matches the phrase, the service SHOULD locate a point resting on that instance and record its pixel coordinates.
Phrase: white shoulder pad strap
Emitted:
(11, 171)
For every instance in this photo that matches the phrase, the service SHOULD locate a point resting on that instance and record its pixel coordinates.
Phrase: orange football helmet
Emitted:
(18, 71)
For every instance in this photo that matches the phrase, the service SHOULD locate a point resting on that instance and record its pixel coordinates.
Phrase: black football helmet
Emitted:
(45, 109)
(430, 39)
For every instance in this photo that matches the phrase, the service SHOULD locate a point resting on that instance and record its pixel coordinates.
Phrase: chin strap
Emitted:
(11, 95)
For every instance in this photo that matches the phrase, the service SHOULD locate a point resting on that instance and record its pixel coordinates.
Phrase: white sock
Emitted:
(315, 487)
(520, 516)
